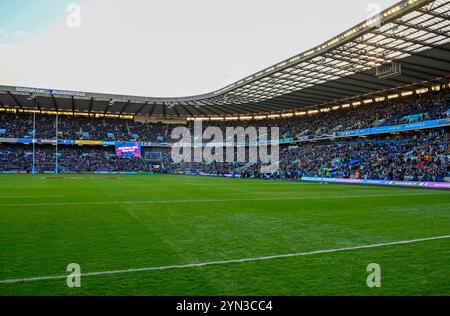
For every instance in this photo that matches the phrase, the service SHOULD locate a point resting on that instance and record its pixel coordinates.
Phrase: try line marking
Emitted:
(223, 262)
(223, 200)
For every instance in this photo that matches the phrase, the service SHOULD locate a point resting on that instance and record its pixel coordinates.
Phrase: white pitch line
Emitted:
(224, 262)
(81, 178)
(219, 200)
(29, 196)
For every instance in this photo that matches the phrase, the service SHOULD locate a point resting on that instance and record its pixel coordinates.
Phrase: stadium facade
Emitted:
(380, 87)
(405, 47)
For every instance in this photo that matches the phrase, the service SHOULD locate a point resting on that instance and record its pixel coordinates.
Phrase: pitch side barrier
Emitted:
(203, 174)
(345, 134)
(73, 172)
(415, 184)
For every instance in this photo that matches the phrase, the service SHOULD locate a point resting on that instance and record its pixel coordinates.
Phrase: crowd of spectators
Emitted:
(20, 125)
(423, 156)
(420, 156)
(391, 112)
(395, 111)
(70, 160)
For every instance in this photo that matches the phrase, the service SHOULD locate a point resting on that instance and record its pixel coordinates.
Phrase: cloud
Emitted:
(15, 36)
(172, 47)
(19, 34)
(4, 36)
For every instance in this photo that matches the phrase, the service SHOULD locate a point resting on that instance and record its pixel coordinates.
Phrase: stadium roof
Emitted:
(414, 33)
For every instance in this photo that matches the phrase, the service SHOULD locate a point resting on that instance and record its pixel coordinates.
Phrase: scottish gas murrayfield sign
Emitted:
(49, 91)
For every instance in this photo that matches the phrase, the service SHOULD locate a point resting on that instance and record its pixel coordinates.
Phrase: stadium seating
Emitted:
(70, 160)
(418, 156)
(425, 107)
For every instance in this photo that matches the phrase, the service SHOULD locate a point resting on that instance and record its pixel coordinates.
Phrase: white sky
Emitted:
(170, 48)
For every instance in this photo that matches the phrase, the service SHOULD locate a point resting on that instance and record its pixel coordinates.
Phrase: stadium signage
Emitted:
(8, 140)
(66, 142)
(88, 142)
(128, 149)
(302, 139)
(25, 140)
(431, 185)
(396, 128)
(50, 92)
(46, 141)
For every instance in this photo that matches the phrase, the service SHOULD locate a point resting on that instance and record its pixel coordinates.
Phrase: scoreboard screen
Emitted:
(128, 149)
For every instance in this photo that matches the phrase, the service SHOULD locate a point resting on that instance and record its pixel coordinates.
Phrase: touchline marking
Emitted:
(219, 200)
(223, 262)
(28, 196)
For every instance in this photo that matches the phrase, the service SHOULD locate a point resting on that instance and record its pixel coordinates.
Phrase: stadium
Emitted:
(94, 203)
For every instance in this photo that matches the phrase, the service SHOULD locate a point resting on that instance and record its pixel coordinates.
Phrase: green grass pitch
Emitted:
(110, 223)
